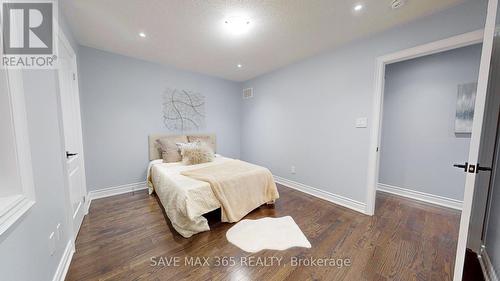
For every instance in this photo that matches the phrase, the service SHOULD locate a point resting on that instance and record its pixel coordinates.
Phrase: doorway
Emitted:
(426, 101)
(421, 139)
(464, 40)
(476, 134)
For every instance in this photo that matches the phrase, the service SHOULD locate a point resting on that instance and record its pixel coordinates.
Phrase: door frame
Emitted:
(486, 37)
(85, 207)
(451, 43)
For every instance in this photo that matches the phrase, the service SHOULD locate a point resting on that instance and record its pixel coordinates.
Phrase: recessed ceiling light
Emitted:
(237, 24)
(142, 34)
(358, 7)
(239, 65)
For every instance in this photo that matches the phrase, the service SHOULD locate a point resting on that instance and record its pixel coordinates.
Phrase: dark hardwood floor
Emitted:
(124, 236)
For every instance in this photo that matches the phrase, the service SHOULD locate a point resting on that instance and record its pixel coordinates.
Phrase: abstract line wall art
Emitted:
(466, 100)
(183, 110)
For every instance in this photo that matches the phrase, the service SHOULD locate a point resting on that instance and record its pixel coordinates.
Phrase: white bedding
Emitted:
(185, 199)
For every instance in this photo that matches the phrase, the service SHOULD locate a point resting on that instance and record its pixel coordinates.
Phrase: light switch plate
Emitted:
(361, 122)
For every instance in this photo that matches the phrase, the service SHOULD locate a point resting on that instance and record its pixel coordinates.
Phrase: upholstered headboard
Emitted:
(154, 153)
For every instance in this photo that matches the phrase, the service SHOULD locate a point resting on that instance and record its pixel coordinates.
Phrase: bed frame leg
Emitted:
(271, 203)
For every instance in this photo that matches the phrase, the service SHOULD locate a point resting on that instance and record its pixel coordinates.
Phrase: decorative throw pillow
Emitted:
(196, 153)
(208, 139)
(169, 150)
(181, 145)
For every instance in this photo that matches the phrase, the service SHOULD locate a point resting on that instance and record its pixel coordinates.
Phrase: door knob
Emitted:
(472, 168)
(484, 169)
(462, 166)
(69, 154)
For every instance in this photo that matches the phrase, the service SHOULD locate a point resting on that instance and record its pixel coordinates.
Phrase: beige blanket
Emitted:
(185, 199)
(239, 186)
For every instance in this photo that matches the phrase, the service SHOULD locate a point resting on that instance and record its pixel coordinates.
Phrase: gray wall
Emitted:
(304, 114)
(419, 145)
(24, 248)
(121, 101)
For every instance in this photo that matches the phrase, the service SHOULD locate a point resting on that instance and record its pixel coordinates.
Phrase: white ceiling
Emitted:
(190, 34)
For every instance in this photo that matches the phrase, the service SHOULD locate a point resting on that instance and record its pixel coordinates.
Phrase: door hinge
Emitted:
(74, 76)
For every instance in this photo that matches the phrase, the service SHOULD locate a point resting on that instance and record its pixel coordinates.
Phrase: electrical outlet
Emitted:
(52, 244)
(361, 122)
(292, 170)
(58, 232)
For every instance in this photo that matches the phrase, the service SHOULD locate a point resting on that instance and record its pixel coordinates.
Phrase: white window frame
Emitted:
(12, 208)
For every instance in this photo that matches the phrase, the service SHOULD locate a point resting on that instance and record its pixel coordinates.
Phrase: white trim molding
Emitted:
(21, 132)
(421, 196)
(12, 209)
(64, 263)
(115, 190)
(486, 265)
(21, 198)
(325, 195)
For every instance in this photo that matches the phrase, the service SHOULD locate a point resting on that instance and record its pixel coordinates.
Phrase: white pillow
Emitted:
(196, 153)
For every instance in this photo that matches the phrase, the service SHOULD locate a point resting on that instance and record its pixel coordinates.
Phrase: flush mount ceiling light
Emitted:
(142, 34)
(358, 7)
(239, 65)
(237, 24)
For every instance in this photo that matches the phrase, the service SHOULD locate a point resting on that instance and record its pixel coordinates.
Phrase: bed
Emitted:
(186, 197)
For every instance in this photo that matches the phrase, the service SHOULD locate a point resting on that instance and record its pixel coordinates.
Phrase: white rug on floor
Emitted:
(267, 233)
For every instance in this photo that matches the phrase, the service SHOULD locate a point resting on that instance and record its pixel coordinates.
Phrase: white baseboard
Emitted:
(337, 199)
(421, 196)
(116, 190)
(487, 266)
(88, 200)
(62, 268)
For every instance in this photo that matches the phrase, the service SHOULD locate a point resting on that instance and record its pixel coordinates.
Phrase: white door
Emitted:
(478, 136)
(70, 108)
(487, 150)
